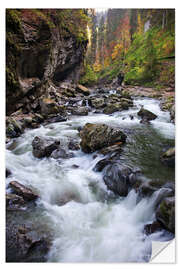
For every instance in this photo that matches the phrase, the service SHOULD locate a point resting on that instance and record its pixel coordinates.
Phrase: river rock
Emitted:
(146, 115)
(112, 107)
(61, 153)
(116, 178)
(97, 136)
(48, 107)
(25, 245)
(111, 149)
(43, 147)
(172, 113)
(152, 227)
(79, 111)
(14, 202)
(23, 191)
(8, 172)
(97, 103)
(14, 127)
(168, 158)
(165, 214)
(73, 145)
(83, 90)
(101, 164)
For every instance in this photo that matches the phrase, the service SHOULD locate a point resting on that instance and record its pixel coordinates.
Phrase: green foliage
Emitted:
(89, 77)
(74, 21)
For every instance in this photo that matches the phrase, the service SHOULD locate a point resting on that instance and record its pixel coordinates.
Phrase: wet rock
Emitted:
(23, 191)
(25, 245)
(152, 227)
(125, 94)
(146, 115)
(100, 165)
(48, 107)
(97, 136)
(61, 153)
(83, 90)
(172, 113)
(111, 108)
(38, 118)
(80, 111)
(168, 158)
(116, 178)
(160, 194)
(14, 202)
(111, 149)
(75, 166)
(43, 147)
(165, 214)
(13, 127)
(8, 172)
(73, 145)
(57, 119)
(97, 103)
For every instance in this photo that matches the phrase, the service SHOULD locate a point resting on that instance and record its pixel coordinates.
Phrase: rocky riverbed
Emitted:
(89, 177)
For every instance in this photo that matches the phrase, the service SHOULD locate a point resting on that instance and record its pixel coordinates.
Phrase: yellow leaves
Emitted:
(107, 62)
(118, 48)
(97, 67)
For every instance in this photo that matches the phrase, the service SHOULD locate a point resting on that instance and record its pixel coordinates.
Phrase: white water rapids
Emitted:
(88, 224)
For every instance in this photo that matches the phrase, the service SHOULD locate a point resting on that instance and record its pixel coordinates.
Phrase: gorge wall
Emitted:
(43, 49)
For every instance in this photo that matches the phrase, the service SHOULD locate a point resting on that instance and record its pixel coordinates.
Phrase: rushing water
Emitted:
(88, 223)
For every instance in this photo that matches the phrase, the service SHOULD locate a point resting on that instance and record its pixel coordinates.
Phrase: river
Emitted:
(87, 222)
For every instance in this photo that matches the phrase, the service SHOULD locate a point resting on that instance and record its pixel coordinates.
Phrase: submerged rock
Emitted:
(8, 172)
(165, 214)
(168, 158)
(23, 191)
(43, 147)
(146, 115)
(97, 136)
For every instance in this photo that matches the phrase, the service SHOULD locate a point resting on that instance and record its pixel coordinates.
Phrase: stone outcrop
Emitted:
(97, 136)
(41, 54)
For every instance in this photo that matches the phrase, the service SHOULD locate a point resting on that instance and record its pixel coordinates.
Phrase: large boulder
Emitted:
(146, 115)
(23, 191)
(165, 214)
(168, 158)
(83, 90)
(97, 136)
(43, 147)
(116, 178)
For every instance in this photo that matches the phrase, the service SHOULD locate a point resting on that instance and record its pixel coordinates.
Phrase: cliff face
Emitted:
(43, 49)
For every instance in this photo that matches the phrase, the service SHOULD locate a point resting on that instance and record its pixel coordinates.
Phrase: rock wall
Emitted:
(42, 50)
